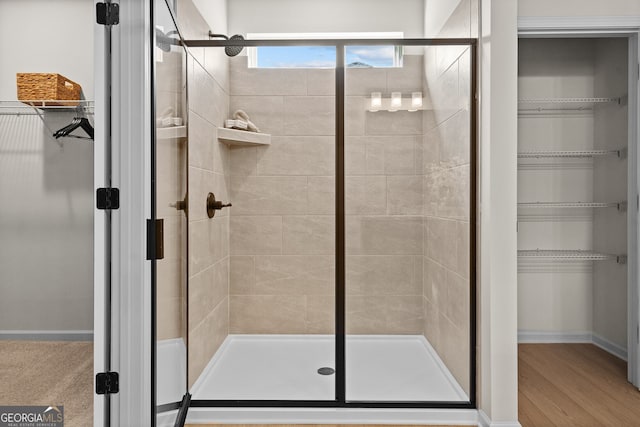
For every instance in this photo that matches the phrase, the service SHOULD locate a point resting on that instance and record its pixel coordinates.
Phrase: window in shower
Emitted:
(324, 56)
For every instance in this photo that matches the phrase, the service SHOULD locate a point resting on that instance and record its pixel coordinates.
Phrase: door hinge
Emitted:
(108, 198)
(108, 13)
(107, 383)
(155, 239)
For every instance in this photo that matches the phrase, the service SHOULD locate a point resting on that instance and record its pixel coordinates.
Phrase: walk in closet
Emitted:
(573, 192)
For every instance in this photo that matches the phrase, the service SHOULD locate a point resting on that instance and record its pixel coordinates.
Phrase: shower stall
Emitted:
(342, 272)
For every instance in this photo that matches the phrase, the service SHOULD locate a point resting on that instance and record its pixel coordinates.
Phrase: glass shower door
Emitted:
(408, 203)
(262, 275)
(170, 269)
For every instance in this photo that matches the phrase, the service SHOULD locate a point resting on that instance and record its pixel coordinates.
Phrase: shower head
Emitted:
(234, 50)
(229, 50)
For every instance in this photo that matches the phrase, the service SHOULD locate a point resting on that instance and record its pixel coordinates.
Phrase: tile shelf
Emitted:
(173, 132)
(242, 138)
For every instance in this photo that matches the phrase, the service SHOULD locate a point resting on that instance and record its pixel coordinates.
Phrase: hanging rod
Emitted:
(574, 154)
(619, 205)
(570, 255)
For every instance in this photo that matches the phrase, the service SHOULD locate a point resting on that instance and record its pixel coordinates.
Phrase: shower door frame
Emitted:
(340, 400)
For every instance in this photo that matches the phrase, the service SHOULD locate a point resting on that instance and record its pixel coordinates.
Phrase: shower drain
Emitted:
(326, 371)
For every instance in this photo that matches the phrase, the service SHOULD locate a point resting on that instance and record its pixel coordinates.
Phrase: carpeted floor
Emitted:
(49, 373)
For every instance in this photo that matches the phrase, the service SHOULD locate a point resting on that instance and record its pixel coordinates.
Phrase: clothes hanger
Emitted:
(78, 122)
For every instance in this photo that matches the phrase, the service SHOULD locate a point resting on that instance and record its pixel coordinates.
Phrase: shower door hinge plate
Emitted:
(155, 239)
(107, 383)
(108, 13)
(107, 198)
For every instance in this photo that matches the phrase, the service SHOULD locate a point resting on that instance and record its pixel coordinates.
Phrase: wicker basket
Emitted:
(36, 88)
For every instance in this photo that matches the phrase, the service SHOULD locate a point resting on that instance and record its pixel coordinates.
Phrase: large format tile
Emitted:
(404, 195)
(308, 235)
(267, 314)
(206, 243)
(252, 235)
(455, 140)
(383, 275)
(384, 235)
(298, 155)
(269, 195)
(201, 140)
(363, 81)
(408, 78)
(364, 156)
(309, 115)
(320, 315)
(321, 195)
(321, 81)
(243, 161)
(393, 123)
(458, 299)
(290, 275)
(266, 81)
(384, 315)
(366, 195)
(441, 243)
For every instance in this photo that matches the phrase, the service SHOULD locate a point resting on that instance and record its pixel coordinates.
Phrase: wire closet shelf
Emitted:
(569, 255)
(561, 105)
(36, 107)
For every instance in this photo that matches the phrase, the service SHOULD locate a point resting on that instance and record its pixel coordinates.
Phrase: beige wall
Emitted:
(208, 159)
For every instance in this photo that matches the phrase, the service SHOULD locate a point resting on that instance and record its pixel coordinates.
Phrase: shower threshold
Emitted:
(383, 368)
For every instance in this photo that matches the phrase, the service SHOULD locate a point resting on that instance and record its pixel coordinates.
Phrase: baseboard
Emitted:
(485, 421)
(546, 337)
(610, 347)
(47, 335)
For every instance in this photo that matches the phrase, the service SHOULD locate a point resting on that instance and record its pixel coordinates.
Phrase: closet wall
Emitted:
(561, 300)
(46, 217)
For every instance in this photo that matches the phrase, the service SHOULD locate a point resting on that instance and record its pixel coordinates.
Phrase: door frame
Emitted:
(626, 27)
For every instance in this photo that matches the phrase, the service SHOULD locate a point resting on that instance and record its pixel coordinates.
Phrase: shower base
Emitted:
(285, 367)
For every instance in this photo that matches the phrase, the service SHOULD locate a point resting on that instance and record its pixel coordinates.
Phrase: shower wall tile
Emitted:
(170, 322)
(363, 81)
(242, 273)
(206, 243)
(206, 291)
(217, 64)
(321, 195)
(267, 314)
(269, 195)
(398, 123)
(266, 112)
(446, 186)
(457, 307)
(265, 81)
(321, 315)
(404, 195)
(243, 161)
(308, 234)
(298, 155)
(384, 235)
(384, 315)
(441, 242)
(454, 140)
(364, 156)
(383, 275)
(254, 235)
(206, 338)
(309, 115)
(288, 275)
(366, 195)
(407, 78)
(321, 81)
(400, 154)
(354, 116)
(201, 140)
(201, 100)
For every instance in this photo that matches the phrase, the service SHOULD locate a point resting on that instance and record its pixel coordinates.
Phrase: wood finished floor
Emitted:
(49, 373)
(574, 385)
